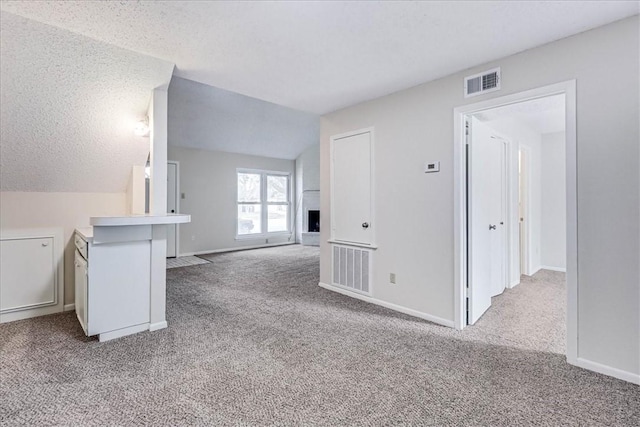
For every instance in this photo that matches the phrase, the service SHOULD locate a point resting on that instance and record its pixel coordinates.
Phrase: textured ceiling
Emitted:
(321, 56)
(201, 116)
(542, 115)
(69, 104)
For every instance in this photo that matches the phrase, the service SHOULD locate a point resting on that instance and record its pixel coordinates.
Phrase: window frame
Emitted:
(264, 204)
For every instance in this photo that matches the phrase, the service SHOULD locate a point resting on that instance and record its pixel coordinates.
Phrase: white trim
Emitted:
(547, 267)
(394, 307)
(70, 307)
(158, 326)
(355, 244)
(264, 204)
(28, 313)
(372, 175)
(351, 291)
(526, 150)
(178, 196)
(240, 248)
(568, 88)
(607, 370)
(107, 336)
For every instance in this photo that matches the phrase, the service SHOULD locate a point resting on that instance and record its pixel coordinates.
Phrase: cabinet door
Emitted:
(81, 290)
(27, 274)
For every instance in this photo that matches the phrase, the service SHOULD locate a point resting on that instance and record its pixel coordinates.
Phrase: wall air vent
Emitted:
(351, 268)
(487, 81)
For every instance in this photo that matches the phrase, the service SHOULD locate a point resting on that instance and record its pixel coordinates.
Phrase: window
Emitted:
(263, 202)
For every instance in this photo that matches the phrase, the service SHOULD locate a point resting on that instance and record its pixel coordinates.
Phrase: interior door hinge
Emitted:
(466, 128)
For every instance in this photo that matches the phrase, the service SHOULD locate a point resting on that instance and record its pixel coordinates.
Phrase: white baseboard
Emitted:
(118, 333)
(157, 326)
(410, 312)
(69, 307)
(241, 248)
(514, 284)
(546, 267)
(607, 370)
(534, 271)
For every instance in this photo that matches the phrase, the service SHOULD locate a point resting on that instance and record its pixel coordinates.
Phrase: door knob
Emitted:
(492, 227)
(173, 211)
(365, 225)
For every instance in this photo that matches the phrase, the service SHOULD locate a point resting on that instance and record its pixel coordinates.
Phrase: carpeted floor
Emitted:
(252, 340)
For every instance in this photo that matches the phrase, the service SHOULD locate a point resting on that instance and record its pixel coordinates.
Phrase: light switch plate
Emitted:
(432, 167)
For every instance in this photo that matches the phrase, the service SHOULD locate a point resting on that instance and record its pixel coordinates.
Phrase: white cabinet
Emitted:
(31, 274)
(113, 283)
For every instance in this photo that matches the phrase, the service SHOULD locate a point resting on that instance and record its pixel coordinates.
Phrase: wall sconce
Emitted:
(142, 128)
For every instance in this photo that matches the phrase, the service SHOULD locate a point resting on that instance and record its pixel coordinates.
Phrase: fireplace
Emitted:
(313, 221)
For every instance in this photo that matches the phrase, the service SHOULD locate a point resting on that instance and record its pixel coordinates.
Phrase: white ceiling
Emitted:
(205, 117)
(542, 115)
(68, 105)
(322, 56)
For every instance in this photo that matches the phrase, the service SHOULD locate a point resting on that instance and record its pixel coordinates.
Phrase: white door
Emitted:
(498, 153)
(351, 189)
(172, 207)
(523, 203)
(486, 207)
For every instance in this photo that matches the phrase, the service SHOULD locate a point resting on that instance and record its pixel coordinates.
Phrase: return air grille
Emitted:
(351, 268)
(484, 82)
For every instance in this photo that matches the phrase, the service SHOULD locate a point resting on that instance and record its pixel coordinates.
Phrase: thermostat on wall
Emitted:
(432, 167)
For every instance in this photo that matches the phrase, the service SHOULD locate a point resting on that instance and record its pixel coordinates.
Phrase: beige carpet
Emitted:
(252, 340)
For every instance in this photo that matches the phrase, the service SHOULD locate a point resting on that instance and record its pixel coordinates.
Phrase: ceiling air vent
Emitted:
(487, 81)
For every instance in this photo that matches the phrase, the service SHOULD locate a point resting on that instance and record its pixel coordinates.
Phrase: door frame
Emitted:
(568, 88)
(177, 163)
(332, 140)
(525, 245)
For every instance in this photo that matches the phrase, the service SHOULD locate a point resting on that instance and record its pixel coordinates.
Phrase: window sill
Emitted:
(285, 234)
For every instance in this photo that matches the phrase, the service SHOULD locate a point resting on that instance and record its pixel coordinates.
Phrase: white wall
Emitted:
(553, 239)
(67, 210)
(208, 180)
(414, 211)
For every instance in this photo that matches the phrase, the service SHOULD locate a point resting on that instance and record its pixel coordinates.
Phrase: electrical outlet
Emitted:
(392, 278)
(193, 238)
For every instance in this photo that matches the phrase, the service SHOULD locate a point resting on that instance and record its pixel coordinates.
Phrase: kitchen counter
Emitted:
(146, 219)
(121, 274)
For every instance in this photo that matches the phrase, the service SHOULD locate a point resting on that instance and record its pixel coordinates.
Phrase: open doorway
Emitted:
(500, 215)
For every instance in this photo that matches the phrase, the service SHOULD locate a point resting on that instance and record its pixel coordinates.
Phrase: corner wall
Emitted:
(414, 211)
(307, 185)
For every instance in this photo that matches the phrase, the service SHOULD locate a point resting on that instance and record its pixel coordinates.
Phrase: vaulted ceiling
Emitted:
(320, 56)
(208, 118)
(75, 75)
(69, 104)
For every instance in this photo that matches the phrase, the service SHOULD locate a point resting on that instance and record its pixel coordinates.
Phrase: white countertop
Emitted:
(146, 219)
(86, 233)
